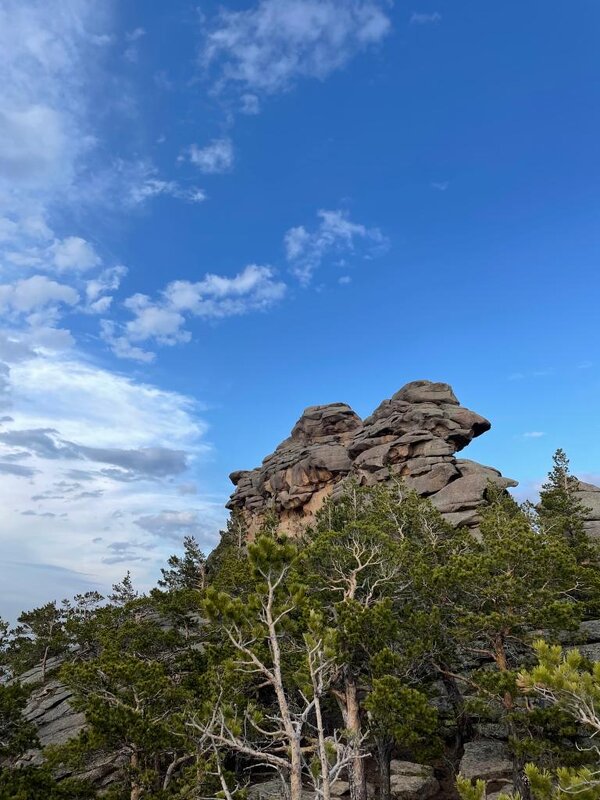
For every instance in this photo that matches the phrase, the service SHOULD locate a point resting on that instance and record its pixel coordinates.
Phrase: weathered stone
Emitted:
(589, 496)
(272, 790)
(423, 391)
(486, 759)
(340, 789)
(591, 651)
(591, 630)
(412, 781)
(413, 436)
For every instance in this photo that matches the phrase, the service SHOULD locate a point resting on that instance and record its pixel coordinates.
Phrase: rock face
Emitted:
(414, 436)
(486, 759)
(412, 781)
(589, 495)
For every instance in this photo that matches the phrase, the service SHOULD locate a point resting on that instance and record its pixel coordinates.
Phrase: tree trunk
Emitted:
(296, 770)
(358, 778)
(456, 700)
(136, 789)
(326, 788)
(502, 664)
(384, 758)
(44, 663)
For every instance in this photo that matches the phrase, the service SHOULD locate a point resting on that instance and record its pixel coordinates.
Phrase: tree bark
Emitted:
(456, 699)
(136, 789)
(326, 788)
(384, 758)
(358, 778)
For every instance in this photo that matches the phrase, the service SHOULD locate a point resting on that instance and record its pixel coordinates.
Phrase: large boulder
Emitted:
(413, 436)
(486, 759)
(412, 781)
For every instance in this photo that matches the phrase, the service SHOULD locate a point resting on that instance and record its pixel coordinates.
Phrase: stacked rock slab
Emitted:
(413, 436)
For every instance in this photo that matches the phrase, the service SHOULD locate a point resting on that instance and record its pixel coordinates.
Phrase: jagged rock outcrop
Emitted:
(414, 436)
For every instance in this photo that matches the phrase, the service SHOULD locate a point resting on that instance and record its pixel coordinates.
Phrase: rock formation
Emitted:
(413, 436)
(589, 495)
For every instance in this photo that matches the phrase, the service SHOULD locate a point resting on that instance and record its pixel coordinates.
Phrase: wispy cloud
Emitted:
(335, 235)
(533, 435)
(268, 47)
(431, 18)
(161, 320)
(215, 157)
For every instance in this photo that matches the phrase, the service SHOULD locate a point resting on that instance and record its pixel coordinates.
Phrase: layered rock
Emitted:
(413, 436)
(589, 495)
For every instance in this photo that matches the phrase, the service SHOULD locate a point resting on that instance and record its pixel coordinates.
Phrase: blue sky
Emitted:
(213, 215)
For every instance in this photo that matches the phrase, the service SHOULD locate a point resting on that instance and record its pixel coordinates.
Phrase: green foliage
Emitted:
(567, 681)
(402, 714)
(16, 734)
(559, 509)
(513, 582)
(469, 790)
(38, 783)
(582, 783)
(187, 571)
(39, 636)
(123, 592)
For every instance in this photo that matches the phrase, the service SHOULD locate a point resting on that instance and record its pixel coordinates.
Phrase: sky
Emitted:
(213, 215)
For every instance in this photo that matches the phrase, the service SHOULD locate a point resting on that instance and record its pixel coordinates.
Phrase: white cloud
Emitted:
(46, 50)
(215, 157)
(160, 322)
(120, 344)
(534, 435)
(74, 253)
(33, 143)
(440, 186)
(266, 48)
(335, 234)
(96, 452)
(107, 281)
(425, 19)
(255, 288)
(35, 293)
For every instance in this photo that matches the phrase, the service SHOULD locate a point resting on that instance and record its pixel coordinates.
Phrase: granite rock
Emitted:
(414, 436)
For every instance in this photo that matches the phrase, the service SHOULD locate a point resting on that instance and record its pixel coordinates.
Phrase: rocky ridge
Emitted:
(414, 435)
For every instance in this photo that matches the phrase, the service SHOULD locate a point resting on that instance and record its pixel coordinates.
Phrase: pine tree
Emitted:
(497, 593)
(398, 715)
(123, 592)
(559, 509)
(187, 572)
(133, 693)
(359, 569)
(269, 685)
(39, 636)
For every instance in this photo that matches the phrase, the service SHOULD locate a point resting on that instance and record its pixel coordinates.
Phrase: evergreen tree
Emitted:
(497, 593)
(123, 592)
(39, 636)
(272, 651)
(133, 689)
(359, 569)
(398, 715)
(559, 509)
(187, 572)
